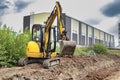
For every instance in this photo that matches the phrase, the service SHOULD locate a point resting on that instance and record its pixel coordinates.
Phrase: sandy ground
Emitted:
(87, 67)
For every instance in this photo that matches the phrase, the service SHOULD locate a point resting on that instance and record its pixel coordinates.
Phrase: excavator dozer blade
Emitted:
(67, 48)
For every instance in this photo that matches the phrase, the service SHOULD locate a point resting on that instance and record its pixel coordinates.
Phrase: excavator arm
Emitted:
(66, 47)
(57, 12)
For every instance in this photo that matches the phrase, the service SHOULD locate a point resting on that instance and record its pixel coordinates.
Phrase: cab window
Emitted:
(36, 34)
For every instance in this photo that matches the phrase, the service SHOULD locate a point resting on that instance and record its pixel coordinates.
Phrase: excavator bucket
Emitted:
(67, 48)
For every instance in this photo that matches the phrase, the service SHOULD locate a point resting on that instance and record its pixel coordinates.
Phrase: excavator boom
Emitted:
(67, 47)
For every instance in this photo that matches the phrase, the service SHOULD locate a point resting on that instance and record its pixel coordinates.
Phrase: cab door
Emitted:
(37, 35)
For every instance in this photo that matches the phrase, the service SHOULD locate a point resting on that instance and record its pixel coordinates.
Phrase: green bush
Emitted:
(100, 49)
(96, 48)
(12, 46)
(83, 50)
(79, 51)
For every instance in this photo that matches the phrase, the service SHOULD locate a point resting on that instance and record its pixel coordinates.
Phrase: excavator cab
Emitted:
(38, 36)
(35, 48)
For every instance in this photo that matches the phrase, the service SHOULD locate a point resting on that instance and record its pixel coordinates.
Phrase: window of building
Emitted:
(89, 31)
(83, 27)
(90, 41)
(96, 33)
(74, 25)
(75, 30)
(83, 40)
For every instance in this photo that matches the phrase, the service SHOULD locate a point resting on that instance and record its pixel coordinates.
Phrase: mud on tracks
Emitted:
(86, 67)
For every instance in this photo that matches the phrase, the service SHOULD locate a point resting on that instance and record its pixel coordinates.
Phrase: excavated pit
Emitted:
(86, 67)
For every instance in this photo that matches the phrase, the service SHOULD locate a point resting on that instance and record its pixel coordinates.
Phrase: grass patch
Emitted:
(83, 51)
(94, 49)
(100, 48)
(79, 50)
(115, 52)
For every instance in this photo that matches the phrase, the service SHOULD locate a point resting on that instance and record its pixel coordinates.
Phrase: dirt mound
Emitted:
(87, 67)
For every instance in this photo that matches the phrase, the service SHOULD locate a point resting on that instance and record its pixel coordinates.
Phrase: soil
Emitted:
(85, 67)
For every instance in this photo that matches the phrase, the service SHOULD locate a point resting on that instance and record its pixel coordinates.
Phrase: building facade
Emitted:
(84, 34)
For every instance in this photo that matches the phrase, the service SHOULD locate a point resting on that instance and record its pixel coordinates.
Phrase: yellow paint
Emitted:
(33, 50)
(59, 16)
(46, 39)
(53, 54)
(59, 12)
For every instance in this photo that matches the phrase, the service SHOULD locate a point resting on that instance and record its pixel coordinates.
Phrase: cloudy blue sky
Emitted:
(103, 14)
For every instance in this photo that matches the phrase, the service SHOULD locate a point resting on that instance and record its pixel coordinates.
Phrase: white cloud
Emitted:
(11, 6)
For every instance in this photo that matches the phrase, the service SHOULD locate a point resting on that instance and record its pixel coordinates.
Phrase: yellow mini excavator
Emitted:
(42, 47)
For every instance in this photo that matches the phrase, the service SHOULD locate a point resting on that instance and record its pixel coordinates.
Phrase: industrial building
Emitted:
(84, 34)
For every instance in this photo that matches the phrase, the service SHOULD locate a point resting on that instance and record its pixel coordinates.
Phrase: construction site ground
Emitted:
(84, 67)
